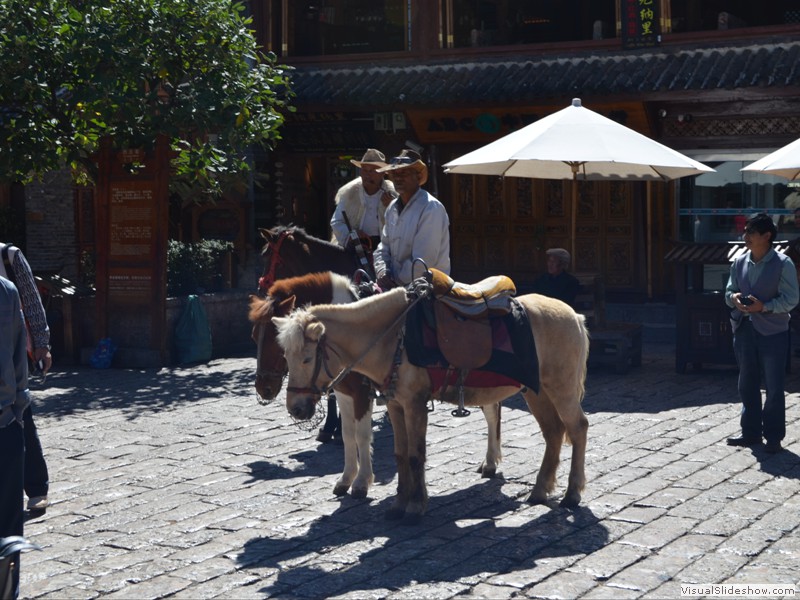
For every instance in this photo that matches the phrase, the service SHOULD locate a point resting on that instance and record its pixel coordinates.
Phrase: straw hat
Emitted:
(407, 159)
(371, 157)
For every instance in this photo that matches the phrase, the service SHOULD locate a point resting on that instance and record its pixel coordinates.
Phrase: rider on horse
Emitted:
(361, 204)
(417, 226)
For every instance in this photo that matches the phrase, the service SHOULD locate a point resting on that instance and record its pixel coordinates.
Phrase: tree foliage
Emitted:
(75, 71)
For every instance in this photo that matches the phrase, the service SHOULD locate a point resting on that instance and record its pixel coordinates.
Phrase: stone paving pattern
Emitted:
(177, 483)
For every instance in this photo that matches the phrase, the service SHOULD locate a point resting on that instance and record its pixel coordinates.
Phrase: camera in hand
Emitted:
(746, 300)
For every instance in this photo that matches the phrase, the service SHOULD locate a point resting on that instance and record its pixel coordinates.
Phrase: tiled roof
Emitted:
(529, 78)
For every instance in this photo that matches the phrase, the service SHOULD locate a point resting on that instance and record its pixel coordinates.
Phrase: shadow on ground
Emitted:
(462, 535)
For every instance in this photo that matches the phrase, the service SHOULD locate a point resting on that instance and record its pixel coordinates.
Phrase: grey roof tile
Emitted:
(530, 78)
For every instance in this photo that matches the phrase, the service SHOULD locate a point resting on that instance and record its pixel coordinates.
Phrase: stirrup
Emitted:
(460, 411)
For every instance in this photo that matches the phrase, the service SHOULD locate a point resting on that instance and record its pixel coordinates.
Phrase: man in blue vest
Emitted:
(762, 290)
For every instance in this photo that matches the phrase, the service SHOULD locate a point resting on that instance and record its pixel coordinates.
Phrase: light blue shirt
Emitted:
(788, 294)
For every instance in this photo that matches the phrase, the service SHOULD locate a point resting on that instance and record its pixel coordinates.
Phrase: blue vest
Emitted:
(765, 288)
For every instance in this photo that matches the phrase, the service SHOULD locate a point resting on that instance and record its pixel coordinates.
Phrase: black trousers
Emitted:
(37, 479)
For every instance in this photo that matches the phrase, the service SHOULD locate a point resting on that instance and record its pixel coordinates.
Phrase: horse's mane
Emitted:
(311, 288)
(302, 235)
(375, 311)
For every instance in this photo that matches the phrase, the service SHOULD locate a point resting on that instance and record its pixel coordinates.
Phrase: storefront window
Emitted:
(331, 27)
(507, 22)
(708, 15)
(714, 206)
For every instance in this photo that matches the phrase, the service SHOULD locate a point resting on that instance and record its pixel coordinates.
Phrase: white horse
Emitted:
(354, 398)
(320, 342)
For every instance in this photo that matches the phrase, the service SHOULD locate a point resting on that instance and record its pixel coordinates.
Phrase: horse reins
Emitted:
(321, 355)
(320, 360)
(266, 281)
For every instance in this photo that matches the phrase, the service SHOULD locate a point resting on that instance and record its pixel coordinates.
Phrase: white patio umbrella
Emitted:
(784, 162)
(574, 143)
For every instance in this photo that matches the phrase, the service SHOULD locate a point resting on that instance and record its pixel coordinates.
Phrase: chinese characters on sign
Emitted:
(132, 220)
(640, 23)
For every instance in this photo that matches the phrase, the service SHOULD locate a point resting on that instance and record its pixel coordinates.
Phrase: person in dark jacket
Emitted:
(762, 289)
(14, 400)
(557, 282)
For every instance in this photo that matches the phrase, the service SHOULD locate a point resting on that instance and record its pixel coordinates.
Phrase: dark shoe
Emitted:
(773, 447)
(742, 441)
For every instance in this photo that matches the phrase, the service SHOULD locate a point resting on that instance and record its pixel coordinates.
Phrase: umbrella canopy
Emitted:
(784, 162)
(576, 141)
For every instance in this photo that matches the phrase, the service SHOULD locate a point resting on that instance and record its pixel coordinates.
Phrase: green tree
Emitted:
(75, 71)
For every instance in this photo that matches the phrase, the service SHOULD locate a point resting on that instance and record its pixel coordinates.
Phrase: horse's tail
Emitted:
(584, 355)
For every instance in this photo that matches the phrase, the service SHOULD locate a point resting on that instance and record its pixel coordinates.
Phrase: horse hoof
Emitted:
(488, 473)
(536, 499)
(324, 436)
(359, 493)
(394, 514)
(340, 490)
(570, 501)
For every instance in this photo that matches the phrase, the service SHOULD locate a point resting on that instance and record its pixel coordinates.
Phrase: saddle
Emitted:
(462, 312)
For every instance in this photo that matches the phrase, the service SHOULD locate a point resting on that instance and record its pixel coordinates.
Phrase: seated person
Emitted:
(557, 283)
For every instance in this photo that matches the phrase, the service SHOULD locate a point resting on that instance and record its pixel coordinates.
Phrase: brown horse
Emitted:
(354, 396)
(290, 251)
(319, 341)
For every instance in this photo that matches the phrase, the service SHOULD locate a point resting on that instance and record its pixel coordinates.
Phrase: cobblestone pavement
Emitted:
(177, 483)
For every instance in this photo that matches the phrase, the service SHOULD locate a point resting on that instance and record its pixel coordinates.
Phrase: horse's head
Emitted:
(285, 254)
(270, 363)
(302, 338)
(290, 252)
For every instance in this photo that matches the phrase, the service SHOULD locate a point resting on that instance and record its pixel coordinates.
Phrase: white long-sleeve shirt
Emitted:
(420, 230)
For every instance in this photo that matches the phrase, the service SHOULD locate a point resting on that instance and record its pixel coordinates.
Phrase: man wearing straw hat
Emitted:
(417, 226)
(364, 201)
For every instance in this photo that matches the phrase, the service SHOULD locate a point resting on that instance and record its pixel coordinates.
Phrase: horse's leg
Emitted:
(577, 427)
(362, 402)
(350, 445)
(416, 422)
(494, 452)
(553, 432)
(397, 417)
(332, 422)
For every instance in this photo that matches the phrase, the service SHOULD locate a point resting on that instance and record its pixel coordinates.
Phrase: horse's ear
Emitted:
(306, 248)
(279, 322)
(315, 330)
(264, 233)
(286, 306)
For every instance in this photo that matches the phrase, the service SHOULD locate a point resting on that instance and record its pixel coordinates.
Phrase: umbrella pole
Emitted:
(574, 211)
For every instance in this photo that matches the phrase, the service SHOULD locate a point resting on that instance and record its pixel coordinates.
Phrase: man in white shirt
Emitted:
(417, 226)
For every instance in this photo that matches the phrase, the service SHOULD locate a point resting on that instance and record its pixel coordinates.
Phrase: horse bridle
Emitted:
(274, 371)
(266, 281)
(416, 290)
(320, 361)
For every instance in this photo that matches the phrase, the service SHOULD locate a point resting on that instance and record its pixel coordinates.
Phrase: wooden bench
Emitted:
(613, 343)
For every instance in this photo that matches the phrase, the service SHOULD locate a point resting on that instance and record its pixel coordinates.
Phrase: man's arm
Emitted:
(19, 339)
(788, 294)
(35, 315)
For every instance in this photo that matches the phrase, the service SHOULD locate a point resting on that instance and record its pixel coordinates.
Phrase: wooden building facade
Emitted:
(714, 79)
